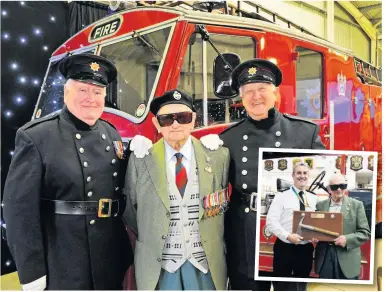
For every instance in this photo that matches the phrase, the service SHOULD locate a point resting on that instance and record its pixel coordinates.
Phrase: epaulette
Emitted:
(232, 126)
(106, 121)
(41, 120)
(296, 118)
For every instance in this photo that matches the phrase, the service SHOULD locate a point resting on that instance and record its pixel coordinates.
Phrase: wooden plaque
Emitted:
(324, 226)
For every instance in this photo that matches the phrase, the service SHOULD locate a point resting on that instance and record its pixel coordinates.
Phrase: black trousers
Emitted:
(239, 281)
(289, 261)
(331, 268)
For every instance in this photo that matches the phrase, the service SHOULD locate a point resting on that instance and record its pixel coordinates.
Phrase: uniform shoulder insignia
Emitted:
(106, 121)
(296, 118)
(35, 122)
(232, 126)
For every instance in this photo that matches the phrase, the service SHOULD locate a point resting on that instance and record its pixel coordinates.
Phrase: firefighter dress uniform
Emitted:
(63, 196)
(243, 141)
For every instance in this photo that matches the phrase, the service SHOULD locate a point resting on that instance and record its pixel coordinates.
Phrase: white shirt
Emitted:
(280, 213)
(335, 207)
(171, 159)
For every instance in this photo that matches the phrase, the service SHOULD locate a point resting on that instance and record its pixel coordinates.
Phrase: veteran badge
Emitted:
(268, 165)
(356, 162)
(282, 164)
(119, 150)
(177, 95)
(94, 66)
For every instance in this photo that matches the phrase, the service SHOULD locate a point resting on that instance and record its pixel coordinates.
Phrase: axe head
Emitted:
(299, 229)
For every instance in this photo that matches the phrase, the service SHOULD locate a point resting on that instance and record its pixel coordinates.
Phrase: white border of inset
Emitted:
(373, 218)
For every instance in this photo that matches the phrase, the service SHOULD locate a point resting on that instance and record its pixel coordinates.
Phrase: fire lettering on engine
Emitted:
(105, 29)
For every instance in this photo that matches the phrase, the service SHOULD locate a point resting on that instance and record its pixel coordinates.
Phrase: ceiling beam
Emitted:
(365, 24)
(370, 7)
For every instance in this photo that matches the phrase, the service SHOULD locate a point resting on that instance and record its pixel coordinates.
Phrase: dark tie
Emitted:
(302, 208)
(181, 176)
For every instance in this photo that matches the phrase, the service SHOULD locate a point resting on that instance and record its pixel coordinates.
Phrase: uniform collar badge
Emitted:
(94, 66)
(118, 146)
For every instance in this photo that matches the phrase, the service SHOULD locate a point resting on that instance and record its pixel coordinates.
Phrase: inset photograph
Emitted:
(317, 216)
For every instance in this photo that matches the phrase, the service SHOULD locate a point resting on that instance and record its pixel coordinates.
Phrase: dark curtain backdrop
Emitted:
(83, 13)
(30, 32)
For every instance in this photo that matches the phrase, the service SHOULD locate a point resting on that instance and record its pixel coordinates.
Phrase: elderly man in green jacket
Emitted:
(342, 258)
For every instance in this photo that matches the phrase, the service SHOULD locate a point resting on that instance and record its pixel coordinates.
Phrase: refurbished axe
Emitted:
(312, 228)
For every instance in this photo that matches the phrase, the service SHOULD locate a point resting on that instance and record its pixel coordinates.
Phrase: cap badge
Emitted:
(252, 71)
(177, 95)
(94, 66)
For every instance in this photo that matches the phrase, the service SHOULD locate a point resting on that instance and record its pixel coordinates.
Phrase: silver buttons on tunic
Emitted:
(103, 136)
(78, 136)
(81, 150)
(89, 179)
(108, 148)
(115, 174)
(245, 148)
(246, 210)
(278, 133)
(244, 159)
(113, 161)
(244, 172)
(85, 164)
(245, 137)
(244, 186)
(117, 188)
(277, 144)
(89, 194)
(92, 222)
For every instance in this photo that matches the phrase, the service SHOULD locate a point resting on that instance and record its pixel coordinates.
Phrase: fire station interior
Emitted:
(353, 26)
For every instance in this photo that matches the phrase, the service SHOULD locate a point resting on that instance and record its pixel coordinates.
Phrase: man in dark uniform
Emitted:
(63, 199)
(265, 126)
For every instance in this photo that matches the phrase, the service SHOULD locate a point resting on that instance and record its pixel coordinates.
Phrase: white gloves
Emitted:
(211, 141)
(140, 145)
(37, 285)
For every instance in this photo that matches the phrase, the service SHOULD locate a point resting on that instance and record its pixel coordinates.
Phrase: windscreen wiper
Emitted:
(147, 43)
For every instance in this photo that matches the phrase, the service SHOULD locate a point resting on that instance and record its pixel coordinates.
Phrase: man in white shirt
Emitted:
(177, 196)
(292, 255)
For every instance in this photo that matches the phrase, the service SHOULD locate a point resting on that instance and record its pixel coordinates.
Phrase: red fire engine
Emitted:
(156, 49)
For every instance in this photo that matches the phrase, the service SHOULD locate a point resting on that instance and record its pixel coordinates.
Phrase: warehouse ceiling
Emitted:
(372, 10)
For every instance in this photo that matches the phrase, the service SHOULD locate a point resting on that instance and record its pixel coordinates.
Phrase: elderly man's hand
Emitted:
(211, 141)
(340, 241)
(140, 145)
(294, 238)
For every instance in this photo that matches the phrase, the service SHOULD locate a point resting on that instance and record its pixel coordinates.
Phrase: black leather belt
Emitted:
(248, 200)
(103, 208)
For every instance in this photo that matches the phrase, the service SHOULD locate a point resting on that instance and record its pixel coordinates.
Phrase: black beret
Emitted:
(256, 71)
(171, 97)
(88, 68)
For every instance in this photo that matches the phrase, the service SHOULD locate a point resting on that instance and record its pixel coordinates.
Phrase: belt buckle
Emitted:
(102, 203)
(251, 205)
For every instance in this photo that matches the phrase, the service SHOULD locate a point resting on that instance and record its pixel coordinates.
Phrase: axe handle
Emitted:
(321, 230)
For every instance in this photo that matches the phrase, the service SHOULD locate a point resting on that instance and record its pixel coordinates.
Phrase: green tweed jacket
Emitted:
(148, 211)
(357, 231)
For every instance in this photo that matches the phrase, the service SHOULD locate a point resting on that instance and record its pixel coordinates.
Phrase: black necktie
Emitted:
(302, 208)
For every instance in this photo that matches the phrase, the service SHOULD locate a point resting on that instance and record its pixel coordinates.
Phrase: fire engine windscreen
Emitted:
(138, 62)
